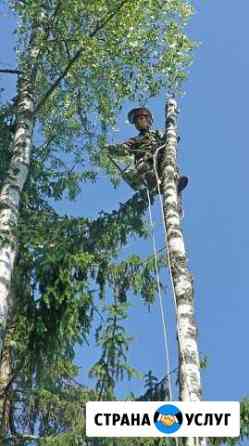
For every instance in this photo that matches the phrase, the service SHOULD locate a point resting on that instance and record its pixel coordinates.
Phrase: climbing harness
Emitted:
(140, 176)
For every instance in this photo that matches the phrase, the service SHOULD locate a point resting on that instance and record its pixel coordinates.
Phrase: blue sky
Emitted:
(214, 154)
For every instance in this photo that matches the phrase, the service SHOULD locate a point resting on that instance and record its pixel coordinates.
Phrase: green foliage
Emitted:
(65, 263)
(113, 365)
(104, 52)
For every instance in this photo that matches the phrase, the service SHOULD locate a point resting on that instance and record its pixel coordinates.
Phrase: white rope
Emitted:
(165, 332)
(163, 318)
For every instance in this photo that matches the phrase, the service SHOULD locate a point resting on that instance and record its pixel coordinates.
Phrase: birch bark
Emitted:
(12, 187)
(189, 366)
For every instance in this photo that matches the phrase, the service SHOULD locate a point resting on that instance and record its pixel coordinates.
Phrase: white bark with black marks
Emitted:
(12, 188)
(189, 367)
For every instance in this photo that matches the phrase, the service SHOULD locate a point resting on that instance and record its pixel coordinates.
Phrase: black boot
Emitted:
(182, 183)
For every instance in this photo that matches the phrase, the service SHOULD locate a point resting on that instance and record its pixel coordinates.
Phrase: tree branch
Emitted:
(98, 28)
(8, 71)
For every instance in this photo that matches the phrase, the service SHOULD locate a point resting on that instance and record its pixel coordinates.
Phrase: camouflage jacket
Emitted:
(139, 146)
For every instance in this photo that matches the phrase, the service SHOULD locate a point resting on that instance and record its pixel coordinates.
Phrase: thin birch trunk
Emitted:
(10, 197)
(10, 194)
(189, 367)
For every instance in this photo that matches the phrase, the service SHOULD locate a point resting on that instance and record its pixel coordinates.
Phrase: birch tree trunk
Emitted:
(10, 194)
(189, 366)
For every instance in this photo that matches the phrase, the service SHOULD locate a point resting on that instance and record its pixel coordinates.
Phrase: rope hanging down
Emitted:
(163, 319)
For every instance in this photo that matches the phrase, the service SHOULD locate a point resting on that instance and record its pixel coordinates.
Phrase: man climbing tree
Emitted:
(142, 148)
